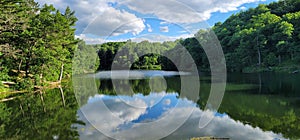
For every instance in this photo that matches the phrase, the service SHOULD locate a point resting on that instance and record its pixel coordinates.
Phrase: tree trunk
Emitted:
(62, 96)
(42, 99)
(61, 72)
(21, 107)
(258, 52)
(259, 56)
(20, 64)
(279, 59)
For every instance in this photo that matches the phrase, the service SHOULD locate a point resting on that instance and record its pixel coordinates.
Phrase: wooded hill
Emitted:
(265, 38)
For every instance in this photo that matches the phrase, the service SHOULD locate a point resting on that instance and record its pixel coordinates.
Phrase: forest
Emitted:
(265, 38)
(38, 44)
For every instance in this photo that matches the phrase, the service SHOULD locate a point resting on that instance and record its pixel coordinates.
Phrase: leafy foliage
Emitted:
(35, 41)
(264, 36)
(257, 40)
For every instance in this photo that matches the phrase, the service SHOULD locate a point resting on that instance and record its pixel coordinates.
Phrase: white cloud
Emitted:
(94, 40)
(149, 28)
(149, 37)
(164, 29)
(85, 10)
(104, 20)
(166, 10)
(182, 11)
(89, 40)
(243, 8)
(160, 38)
(114, 22)
(163, 22)
(101, 18)
(183, 31)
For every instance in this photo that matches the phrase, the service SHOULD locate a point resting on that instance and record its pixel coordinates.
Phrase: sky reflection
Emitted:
(159, 114)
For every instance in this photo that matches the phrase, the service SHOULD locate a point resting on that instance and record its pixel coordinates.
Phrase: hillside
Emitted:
(265, 38)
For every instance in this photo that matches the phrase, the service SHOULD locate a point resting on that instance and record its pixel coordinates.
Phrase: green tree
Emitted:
(35, 41)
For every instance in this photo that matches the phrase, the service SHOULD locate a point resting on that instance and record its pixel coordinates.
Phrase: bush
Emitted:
(4, 74)
(271, 60)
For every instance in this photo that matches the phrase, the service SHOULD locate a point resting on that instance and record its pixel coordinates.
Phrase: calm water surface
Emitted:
(255, 106)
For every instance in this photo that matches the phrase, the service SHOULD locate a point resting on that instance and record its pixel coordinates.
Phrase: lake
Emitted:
(151, 105)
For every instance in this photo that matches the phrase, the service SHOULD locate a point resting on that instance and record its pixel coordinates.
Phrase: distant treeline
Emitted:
(132, 55)
(265, 38)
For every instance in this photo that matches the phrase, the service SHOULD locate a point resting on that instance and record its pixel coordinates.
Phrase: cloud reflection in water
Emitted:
(130, 124)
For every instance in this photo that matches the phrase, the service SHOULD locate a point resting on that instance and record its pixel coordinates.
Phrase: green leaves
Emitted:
(264, 33)
(122, 53)
(36, 40)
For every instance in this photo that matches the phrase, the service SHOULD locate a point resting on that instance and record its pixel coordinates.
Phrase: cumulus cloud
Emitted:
(149, 28)
(164, 29)
(115, 22)
(90, 40)
(99, 18)
(243, 8)
(168, 10)
(182, 11)
(163, 22)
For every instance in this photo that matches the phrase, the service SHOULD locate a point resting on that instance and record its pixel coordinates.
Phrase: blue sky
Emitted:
(157, 21)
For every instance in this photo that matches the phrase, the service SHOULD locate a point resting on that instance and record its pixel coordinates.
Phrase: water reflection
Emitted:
(248, 111)
(157, 108)
(48, 114)
(130, 126)
(269, 83)
(135, 74)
